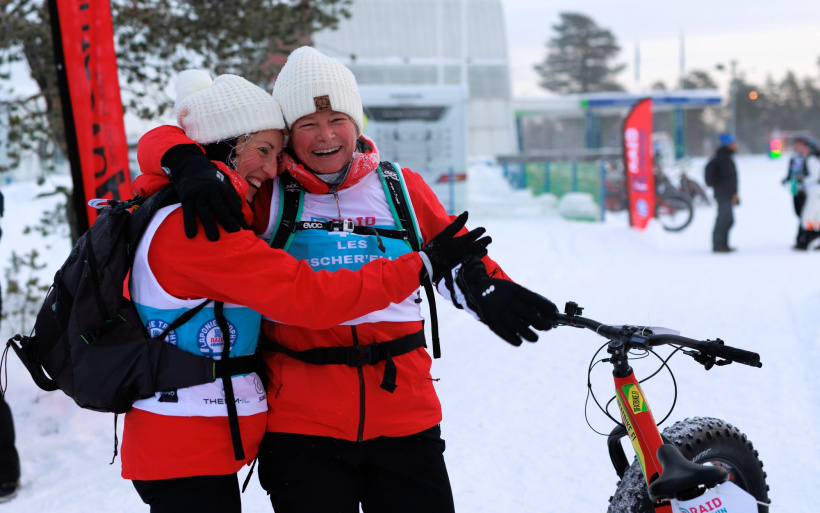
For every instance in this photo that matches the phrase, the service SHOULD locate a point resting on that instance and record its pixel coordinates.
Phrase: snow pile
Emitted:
(580, 206)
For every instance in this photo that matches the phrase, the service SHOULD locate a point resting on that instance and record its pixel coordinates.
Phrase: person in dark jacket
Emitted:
(725, 190)
(9, 459)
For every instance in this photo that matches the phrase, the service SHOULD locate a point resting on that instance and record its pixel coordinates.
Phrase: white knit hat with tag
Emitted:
(313, 82)
(227, 107)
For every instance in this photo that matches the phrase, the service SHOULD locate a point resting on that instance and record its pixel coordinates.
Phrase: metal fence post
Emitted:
(574, 186)
(603, 189)
(547, 185)
(452, 177)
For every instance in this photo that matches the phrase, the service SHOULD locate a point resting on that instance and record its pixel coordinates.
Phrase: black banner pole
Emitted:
(73, 149)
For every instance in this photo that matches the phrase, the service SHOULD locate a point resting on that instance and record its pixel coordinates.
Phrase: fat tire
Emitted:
(700, 439)
(682, 206)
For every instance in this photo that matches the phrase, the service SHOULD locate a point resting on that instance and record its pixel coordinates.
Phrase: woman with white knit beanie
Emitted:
(344, 436)
(178, 448)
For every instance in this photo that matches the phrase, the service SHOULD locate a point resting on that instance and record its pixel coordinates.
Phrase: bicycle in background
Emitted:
(672, 210)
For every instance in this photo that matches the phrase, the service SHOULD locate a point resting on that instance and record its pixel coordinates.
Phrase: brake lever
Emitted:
(707, 360)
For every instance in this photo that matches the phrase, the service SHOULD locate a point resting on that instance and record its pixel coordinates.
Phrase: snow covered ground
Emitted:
(517, 439)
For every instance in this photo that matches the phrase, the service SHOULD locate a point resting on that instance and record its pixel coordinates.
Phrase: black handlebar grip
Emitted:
(733, 354)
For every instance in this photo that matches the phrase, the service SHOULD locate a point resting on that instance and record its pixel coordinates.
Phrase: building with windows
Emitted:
(433, 43)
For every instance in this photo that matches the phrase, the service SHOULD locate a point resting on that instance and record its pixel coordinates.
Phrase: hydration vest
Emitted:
(289, 223)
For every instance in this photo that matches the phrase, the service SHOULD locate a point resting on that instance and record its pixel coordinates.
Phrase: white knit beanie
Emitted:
(230, 106)
(313, 82)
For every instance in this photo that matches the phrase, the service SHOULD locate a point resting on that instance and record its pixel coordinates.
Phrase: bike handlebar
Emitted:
(642, 337)
(732, 354)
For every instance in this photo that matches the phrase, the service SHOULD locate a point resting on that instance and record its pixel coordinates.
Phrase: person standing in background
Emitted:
(802, 170)
(9, 459)
(722, 177)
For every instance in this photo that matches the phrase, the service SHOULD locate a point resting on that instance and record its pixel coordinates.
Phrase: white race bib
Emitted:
(724, 498)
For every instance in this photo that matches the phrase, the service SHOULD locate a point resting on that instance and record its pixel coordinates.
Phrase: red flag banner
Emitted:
(637, 135)
(92, 107)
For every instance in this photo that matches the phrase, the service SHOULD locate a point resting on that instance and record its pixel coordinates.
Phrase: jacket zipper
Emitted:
(338, 207)
(360, 372)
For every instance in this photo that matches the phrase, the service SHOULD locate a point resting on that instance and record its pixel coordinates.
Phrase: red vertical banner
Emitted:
(92, 106)
(637, 135)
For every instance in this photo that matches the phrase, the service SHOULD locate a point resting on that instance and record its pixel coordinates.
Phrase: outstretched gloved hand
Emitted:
(446, 249)
(204, 192)
(508, 309)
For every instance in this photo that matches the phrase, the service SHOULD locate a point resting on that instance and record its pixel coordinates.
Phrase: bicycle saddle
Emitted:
(680, 474)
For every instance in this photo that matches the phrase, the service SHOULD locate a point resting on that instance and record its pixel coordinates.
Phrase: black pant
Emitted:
(9, 460)
(799, 201)
(199, 494)
(313, 474)
(804, 237)
(724, 221)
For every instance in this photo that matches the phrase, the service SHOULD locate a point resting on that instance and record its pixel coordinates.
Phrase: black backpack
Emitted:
(88, 339)
(710, 173)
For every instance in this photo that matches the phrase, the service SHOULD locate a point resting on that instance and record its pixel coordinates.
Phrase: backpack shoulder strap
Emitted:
(399, 200)
(145, 210)
(227, 385)
(291, 200)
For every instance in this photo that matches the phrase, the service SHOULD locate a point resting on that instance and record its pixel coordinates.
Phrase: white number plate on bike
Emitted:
(725, 498)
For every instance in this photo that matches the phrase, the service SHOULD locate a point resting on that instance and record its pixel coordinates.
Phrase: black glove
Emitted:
(445, 250)
(507, 308)
(204, 191)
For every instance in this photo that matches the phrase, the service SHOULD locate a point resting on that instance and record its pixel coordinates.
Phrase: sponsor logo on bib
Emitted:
(211, 341)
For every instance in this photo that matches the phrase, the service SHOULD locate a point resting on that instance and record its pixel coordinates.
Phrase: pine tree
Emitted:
(24, 293)
(579, 57)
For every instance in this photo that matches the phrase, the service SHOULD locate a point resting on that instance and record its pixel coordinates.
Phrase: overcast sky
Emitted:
(763, 37)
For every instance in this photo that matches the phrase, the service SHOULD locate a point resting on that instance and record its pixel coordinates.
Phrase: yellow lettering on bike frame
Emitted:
(633, 437)
(635, 397)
